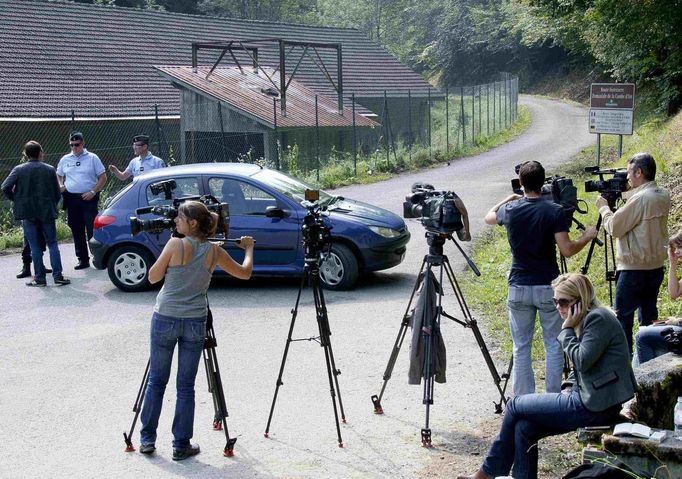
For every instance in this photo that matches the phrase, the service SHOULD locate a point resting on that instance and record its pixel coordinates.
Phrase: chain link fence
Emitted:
(409, 128)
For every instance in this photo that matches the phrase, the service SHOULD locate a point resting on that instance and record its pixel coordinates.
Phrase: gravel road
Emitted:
(72, 357)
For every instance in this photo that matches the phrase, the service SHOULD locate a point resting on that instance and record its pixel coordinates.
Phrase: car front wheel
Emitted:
(129, 266)
(339, 270)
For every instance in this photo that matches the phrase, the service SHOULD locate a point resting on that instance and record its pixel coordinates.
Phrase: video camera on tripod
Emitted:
(439, 211)
(316, 234)
(559, 190)
(168, 213)
(611, 189)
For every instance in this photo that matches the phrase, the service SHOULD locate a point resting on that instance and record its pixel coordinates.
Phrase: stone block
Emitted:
(660, 383)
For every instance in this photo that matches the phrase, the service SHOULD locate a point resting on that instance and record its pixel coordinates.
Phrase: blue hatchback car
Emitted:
(263, 203)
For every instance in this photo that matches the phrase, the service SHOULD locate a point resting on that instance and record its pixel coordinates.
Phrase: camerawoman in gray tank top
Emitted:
(180, 319)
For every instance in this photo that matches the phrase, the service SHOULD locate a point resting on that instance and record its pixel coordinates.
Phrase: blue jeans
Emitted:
(637, 291)
(189, 334)
(529, 418)
(33, 230)
(650, 343)
(524, 303)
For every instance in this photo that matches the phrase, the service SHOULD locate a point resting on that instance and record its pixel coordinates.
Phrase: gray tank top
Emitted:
(183, 294)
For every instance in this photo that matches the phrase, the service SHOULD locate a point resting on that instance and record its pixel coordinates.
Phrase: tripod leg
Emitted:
(429, 333)
(324, 318)
(471, 323)
(325, 340)
(294, 313)
(376, 399)
(215, 386)
(137, 407)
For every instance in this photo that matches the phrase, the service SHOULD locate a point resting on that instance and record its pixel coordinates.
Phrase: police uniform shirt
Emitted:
(80, 172)
(138, 165)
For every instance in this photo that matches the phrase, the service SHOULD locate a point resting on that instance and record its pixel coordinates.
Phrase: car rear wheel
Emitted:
(128, 268)
(339, 271)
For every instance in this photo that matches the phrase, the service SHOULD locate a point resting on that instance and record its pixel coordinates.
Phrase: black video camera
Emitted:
(437, 210)
(168, 213)
(316, 234)
(674, 339)
(558, 189)
(612, 188)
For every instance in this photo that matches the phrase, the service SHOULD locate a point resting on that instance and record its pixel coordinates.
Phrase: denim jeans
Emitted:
(529, 418)
(524, 302)
(189, 334)
(650, 343)
(33, 230)
(637, 290)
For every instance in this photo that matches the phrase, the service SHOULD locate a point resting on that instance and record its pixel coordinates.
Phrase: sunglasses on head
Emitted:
(563, 302)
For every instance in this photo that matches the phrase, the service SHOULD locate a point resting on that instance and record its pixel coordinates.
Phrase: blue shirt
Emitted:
(139, 165)
(531, 224)
(80, 172)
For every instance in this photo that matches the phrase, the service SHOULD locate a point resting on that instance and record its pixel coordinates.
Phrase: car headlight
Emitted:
(385, 232)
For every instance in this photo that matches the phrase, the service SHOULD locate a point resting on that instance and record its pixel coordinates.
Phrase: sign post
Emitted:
(611, 111)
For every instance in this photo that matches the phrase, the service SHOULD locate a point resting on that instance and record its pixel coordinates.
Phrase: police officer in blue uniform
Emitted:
(81, 177)
(144, 161)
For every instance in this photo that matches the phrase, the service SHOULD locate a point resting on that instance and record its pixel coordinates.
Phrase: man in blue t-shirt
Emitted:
(534, 226)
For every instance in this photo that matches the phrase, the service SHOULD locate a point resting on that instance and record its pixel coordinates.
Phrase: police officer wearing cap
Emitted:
(144, 161)
(81, 177)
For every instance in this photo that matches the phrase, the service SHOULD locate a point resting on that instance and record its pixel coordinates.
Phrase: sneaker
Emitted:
(82, 265)
(37, 283)
(48, 271)
(61, 280)
(147, 448)
(180, 454)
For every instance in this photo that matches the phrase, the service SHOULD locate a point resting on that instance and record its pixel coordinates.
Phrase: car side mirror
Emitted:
(274, 212)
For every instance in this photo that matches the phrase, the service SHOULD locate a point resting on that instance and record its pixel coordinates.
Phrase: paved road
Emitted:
(71, 358)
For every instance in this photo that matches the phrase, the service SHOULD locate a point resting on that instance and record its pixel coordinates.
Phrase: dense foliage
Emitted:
(470, 41)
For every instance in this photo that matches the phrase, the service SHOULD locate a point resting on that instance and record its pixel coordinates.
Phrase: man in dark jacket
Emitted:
(34, 189)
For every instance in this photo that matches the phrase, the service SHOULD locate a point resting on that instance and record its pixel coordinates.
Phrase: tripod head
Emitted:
(316, 234)
(436, 239)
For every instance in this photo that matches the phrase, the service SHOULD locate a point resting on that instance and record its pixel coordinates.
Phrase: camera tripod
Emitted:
(429, 333)
(311, 274)
(215, 387)
(609, 267)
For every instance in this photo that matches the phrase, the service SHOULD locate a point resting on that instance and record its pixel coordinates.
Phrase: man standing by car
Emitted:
(81, 177)
(34, 189)
(144, 161)
(640, 228)
(534, 226)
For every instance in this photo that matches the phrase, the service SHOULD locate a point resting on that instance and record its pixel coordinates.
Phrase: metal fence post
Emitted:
(480, 93)
(447, 122)
(461, 115)
(317, 138)
(487, 108)
(429, 106)
(355, 139)
(385, 128)
(473, 117)
(494, 108)
(409, 123)
(73, 120)
(274, 116)
(222, 132)
(158, 129)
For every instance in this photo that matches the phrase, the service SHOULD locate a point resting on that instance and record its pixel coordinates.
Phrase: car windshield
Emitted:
(288, 186)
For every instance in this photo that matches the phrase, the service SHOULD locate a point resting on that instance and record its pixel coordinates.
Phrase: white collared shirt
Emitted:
(80, 172)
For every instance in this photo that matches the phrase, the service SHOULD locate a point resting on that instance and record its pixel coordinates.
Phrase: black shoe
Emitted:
(37, 283)
(48, 271)
(147, 448)
(82, 265)
(25, 272)
(61, 280)
(180, 454)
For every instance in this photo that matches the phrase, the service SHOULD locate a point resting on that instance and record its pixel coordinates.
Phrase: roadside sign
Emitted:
(611, 96)
(611, 108)
(611, 122)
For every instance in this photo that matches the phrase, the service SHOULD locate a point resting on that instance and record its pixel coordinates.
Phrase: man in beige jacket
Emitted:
(640, 228)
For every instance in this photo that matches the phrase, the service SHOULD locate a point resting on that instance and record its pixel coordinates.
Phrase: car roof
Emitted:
(243, 169)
